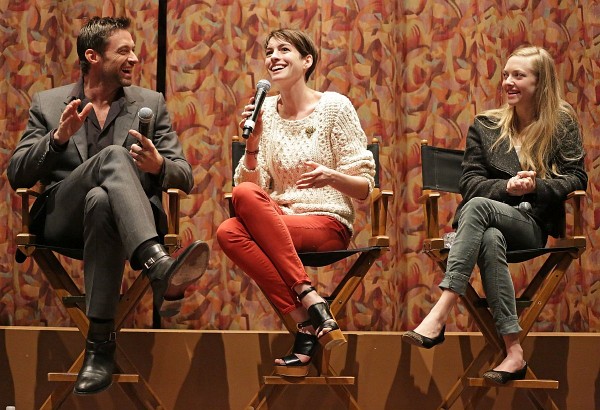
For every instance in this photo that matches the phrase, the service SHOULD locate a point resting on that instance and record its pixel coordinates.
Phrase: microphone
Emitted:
(262, 88)
(145, 115)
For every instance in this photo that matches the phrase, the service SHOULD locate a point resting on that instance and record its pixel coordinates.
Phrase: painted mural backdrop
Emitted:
(413, 69)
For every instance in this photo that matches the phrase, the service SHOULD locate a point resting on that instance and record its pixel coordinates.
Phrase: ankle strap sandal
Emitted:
(323, 322)
(305, 344)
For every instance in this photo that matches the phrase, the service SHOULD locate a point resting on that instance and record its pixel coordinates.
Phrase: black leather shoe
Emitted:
(304, 343)
(423, 341)
(170, 277)
(500, 377)
(98, 366)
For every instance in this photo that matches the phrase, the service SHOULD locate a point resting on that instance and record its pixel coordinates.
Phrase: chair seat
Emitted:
(72, 253)
(319, 259)
(527, 254)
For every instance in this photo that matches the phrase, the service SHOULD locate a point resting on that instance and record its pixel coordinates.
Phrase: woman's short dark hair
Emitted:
(95, 34)
(301, 41)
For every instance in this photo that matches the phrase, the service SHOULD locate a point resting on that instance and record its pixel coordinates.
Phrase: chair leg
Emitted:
(460, 388)
(63, 286)
(267, 394)
(140, 392)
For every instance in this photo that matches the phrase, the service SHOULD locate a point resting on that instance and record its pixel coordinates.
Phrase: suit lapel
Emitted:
(79, 138)
(125, 121)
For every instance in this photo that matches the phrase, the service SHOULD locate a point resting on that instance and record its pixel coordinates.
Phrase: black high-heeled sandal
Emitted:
(322, 319)
(304, 343)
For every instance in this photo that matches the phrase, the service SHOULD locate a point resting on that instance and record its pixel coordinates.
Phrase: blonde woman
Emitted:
(520, 162)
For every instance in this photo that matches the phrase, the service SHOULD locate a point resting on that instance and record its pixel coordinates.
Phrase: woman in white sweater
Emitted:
(305, 161)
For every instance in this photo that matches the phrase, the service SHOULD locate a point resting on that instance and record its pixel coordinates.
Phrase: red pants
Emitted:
(264, 242)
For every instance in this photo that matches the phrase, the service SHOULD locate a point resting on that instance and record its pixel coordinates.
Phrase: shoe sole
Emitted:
(87, 393)
(292, 371)
(332, 339)
(190, 266)
(412, 339)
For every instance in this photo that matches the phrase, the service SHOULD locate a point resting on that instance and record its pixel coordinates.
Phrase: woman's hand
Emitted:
(319, 177)
(252, 141)
(521, 184)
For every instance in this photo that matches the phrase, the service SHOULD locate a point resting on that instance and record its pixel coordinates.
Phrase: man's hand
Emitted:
(71, 121)
(521, 184)
(145, 155)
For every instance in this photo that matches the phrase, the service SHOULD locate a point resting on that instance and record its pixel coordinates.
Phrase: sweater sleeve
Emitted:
(349, 144)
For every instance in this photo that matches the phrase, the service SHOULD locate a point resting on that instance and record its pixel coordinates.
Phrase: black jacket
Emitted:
(486, 172)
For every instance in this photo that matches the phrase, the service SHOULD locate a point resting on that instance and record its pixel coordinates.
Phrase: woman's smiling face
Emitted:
(284, 62)
(519, 82)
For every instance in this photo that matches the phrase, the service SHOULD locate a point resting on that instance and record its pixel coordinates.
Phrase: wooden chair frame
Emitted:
(74, 301)
(471, 387)
(275, 385)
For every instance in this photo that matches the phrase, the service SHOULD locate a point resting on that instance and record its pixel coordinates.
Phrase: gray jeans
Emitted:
(487, 229)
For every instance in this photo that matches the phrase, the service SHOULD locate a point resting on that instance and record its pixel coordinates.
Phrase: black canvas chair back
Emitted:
(441, 168)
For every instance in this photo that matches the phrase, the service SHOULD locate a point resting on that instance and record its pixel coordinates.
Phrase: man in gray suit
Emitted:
(103, 184)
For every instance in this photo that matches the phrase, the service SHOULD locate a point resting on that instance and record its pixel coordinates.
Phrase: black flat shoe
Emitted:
(423, 341)
(500, 377)
(98, 366)
(170, 277)
(304, 343)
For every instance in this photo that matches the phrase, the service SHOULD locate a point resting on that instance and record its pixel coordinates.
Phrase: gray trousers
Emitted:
(102, 207)
(487, 229)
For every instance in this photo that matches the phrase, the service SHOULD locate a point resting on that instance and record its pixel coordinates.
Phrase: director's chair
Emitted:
(28, 245)
(378, 243)
(441, 170)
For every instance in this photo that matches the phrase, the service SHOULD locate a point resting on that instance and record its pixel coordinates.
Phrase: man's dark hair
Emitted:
(95, 34)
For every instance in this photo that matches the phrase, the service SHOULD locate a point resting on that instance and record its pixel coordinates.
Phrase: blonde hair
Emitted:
(551, 114)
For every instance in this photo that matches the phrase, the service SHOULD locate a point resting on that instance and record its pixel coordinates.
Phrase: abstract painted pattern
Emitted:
(414, 70)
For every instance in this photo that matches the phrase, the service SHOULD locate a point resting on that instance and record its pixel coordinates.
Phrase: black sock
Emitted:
(100, 329)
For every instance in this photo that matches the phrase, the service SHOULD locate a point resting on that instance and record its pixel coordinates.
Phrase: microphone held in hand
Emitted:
(262, 88)
(145, 115)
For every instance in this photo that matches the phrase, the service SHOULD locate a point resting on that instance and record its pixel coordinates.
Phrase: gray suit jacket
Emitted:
(35, 160)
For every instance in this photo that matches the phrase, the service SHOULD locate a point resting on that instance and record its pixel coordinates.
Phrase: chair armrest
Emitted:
(429, 199)
(172, 239)
(25, 239)
(574, 203)
(380, 199)
(228, 197)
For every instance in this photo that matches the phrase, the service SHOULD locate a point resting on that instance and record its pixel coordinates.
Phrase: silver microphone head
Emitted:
(264, 84)
(145, 115)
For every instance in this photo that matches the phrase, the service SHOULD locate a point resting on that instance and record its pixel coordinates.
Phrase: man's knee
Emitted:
(116, 154)
(96, 199)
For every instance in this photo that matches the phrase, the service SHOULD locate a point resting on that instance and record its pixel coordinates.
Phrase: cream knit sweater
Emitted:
(331, 136)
